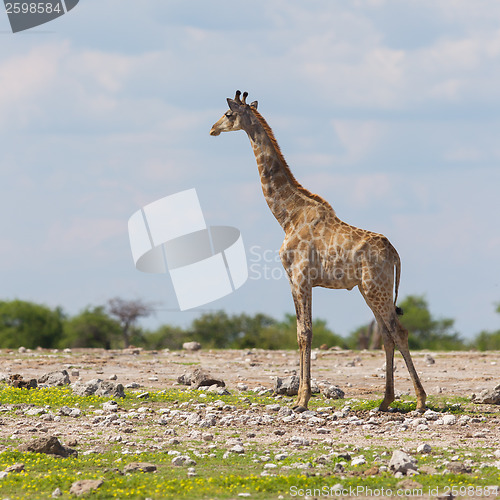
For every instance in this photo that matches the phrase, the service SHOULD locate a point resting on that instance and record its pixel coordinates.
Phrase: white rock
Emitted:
(208, 421)
(422, 427)
(417, 421)
(424, 448)
(191, 346)
(273, 407)
(299, 441)
(180, 460)
(35, 411)
(464, 420)
(402, 462)
(431, 415)
(449, 420)
(238, 449)
(307, 414)
(358, 461)
(193, 419)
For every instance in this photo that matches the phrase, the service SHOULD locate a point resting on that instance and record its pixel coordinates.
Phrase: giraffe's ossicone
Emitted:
(321, 250)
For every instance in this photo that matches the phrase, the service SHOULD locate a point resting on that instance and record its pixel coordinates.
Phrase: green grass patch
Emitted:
(53, 397)
(216, 478)
(222, 475)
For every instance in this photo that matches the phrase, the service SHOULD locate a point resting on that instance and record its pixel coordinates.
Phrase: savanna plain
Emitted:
(169, 440)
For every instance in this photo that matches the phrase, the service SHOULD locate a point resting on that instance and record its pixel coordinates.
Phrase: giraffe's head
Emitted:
(237, 117)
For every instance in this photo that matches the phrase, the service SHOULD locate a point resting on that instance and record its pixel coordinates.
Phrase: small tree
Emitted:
(91, 328)
(215, 330)
(283, 335)
(488, 341)
(249, 330)
(127, 312)
(426, 332)
(367, 336)
(29, 325)
(166, 337)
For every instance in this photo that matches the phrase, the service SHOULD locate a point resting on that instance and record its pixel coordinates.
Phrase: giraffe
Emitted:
(319, 249)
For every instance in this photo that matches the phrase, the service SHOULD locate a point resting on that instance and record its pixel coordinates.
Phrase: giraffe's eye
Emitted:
(229, 114)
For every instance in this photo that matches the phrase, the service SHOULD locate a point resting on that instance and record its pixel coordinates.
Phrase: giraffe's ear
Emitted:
(254, 104)
(233, 105)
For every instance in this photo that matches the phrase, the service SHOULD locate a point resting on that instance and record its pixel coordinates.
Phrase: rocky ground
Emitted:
(359, 374)
(149, 426)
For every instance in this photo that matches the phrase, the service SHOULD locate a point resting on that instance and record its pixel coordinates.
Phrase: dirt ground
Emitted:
(359, 374)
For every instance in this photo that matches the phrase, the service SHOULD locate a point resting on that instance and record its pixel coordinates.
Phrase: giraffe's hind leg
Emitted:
(401, 340)
(394, 334)
(389, 370)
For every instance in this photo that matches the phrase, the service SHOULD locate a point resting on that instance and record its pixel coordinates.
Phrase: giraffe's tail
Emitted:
(397, 266)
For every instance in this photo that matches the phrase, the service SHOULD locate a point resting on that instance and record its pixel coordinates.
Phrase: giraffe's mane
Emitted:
(289, 173)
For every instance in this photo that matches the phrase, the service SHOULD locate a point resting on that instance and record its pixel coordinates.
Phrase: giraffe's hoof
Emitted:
(299, 409)
(384, 407)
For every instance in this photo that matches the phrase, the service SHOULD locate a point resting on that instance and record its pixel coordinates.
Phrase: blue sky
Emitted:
(389, 110)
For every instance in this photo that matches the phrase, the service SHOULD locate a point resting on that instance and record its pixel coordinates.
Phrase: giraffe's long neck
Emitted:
(284, 195)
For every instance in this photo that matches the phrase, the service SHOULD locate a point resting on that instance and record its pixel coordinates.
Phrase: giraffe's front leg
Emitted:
(304, 395)
(304, 339)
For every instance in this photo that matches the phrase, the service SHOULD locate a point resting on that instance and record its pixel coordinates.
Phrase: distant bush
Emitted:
(91, 328)
(165, 337)
(30, 325)
(487, 341)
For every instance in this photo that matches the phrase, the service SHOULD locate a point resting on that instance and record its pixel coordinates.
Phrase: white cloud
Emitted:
(79, 235)
(358, 138)
(96, 126)
(26, 78)
(360, 191)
